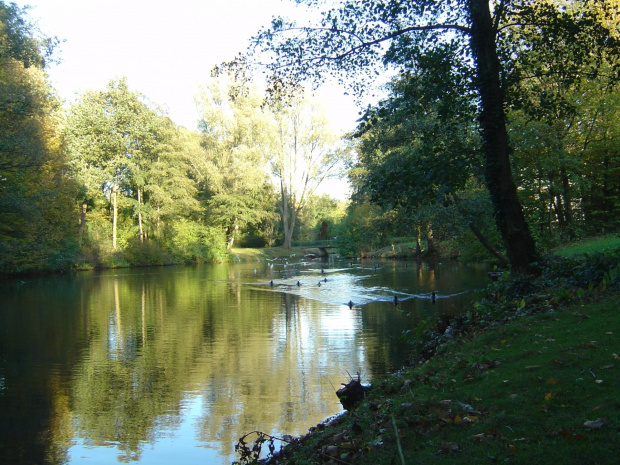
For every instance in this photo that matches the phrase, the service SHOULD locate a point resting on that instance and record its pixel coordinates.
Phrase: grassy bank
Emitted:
(590, 245)
(248, 254)
(534, 389)
(529, 375)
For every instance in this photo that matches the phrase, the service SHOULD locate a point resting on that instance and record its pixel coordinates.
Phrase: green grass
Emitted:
(253, 254)
(519, 392)
(597, 244)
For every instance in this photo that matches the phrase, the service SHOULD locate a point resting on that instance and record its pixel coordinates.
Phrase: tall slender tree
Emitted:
(125, 152)
(235, 130)
(304, 154)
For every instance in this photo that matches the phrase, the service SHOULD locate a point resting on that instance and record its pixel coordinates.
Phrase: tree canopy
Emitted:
(35, 198)
(235, 133)
(357, 37)
(518, 97)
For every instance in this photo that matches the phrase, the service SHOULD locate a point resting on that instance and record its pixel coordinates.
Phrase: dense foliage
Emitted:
(492, 50)
(112, 181)
(35, 196)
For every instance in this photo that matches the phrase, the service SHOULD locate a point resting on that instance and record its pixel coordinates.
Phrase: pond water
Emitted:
(175, 364)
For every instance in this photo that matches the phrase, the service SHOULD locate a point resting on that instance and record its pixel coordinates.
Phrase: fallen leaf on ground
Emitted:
(595, 424)
(450, 447)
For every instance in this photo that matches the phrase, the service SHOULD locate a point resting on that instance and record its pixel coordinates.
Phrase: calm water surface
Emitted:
(173, 365)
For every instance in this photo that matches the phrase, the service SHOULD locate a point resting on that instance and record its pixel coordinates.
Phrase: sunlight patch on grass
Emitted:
(592, 245)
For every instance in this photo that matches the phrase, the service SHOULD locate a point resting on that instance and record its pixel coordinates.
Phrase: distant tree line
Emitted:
(112, 181)
(463, 157)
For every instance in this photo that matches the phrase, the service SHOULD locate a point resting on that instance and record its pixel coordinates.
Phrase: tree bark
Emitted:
(231, 232)
(418, 240)
(114, 217)
(157, 220)
(289, 216)
(487, 245)
(82, 222)
(566, 196)
(140, 215)
(520, 246)
(284, 213)
(483, 240)
(430, 240)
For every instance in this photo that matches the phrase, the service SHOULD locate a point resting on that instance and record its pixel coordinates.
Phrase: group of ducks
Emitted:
(324, 280)
(350, 303)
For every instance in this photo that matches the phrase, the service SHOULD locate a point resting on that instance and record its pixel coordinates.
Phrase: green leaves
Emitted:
(36, 231)
(119, 145)
(20, 40)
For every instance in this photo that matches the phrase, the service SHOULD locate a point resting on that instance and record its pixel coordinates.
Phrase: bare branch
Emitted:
(363, 44)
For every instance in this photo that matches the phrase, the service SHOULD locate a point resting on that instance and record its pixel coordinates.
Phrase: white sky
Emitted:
(166, 49)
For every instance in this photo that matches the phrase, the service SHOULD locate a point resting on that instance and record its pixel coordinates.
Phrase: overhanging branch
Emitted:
(365, 44)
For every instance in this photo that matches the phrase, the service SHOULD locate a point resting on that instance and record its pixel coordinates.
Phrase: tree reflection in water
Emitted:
(144, 365)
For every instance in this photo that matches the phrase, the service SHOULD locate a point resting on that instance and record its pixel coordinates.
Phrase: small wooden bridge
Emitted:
(318, 248)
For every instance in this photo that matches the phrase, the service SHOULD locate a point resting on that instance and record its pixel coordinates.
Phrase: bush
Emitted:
(146, 254)
(192, 242)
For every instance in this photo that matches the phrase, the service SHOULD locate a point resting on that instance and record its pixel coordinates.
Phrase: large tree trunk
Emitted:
(483, 240)
(231, 233)
(509, 217)
(289, 216)
(418, 240)
(284, 215)
(487, 245)
(430, 240)
(288, 232)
